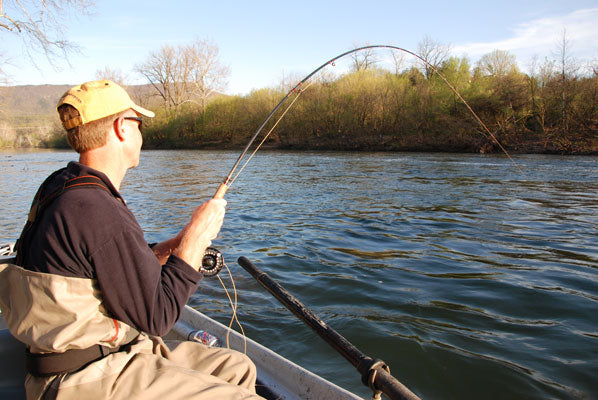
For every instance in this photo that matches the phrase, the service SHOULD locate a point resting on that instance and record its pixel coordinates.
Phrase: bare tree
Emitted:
(568, 65)
(498, 63)
(41, 24)
(434, 53)
(162, 71)
(290, 80)
(567, 69)
(185, 73)
(207, 74)
(398, 58)
(114, 75)
(363, 59)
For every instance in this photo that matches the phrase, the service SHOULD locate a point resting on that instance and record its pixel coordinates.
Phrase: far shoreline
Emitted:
(239, 148)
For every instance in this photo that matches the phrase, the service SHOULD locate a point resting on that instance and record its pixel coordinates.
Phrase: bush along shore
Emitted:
(376, 110)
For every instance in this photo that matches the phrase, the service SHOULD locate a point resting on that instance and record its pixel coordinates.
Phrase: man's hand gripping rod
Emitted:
(212, 261)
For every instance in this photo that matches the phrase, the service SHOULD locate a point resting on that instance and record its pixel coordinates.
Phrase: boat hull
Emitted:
(281, 378)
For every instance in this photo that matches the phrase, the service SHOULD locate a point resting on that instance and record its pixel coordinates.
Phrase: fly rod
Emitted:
(374, 373)
(221, 191)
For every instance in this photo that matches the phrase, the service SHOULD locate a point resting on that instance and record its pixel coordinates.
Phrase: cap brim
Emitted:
(143, 111)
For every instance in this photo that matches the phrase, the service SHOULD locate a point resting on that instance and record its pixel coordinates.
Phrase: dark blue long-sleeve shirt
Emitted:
(90, 233)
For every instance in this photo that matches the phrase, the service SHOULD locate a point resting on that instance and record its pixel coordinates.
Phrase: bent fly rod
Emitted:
(298, 90)
(213, 262)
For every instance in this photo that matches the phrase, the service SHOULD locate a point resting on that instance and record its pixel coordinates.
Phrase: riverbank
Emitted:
(376, 110)
(529, 143)
(580, 144)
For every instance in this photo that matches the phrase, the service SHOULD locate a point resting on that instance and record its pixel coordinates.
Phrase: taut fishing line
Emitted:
(268, 134)
(298, 89)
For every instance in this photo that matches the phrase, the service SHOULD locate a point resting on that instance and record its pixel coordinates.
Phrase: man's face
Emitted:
(133, 126)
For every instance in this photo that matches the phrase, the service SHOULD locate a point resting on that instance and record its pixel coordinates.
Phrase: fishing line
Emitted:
(486, 132)
(234, 309)
(268, 134)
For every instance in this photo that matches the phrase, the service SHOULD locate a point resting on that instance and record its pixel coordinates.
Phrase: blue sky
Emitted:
(262, 41)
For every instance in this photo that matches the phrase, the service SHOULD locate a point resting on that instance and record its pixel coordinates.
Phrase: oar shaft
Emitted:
(383, 381)
(390, 386)
(340, 344)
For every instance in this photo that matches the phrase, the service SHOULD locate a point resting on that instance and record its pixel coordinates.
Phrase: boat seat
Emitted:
(12, 367)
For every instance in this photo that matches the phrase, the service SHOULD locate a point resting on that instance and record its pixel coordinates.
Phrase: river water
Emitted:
(472, 277)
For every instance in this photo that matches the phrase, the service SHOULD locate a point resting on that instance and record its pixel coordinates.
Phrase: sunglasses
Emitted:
(138, 119)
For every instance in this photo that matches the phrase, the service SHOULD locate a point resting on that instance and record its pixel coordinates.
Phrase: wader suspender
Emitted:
(71, 360)
(39, 204)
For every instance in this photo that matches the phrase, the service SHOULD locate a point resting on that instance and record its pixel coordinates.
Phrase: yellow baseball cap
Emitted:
(98, 99)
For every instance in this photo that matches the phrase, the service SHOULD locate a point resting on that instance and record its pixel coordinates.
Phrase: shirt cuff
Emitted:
(182, 266)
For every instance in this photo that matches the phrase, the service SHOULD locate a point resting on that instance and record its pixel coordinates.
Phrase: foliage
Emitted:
(375, 109)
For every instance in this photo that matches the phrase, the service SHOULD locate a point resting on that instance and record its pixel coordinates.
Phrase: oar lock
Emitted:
(212, 262)
(368, 368)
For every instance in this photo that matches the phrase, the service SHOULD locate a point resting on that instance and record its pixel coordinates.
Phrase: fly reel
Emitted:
(212, 262)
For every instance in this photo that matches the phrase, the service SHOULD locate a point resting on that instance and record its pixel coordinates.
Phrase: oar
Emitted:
(374, 373)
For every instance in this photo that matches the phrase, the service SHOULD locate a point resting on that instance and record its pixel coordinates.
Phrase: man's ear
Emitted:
(119, 128)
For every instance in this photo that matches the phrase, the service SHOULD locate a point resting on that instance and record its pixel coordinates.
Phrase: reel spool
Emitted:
(212, 262)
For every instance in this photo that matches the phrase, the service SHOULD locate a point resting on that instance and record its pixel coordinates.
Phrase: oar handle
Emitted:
(221, 191)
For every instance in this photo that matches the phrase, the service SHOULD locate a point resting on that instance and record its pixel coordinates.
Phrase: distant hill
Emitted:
(28, 116)
(28, 100)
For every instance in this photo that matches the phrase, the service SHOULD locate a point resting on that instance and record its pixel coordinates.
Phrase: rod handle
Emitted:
(221, 191)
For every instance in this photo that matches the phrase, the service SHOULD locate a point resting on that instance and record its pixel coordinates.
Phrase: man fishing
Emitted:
(88, 296)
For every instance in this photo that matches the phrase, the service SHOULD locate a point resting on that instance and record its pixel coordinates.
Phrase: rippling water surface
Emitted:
(471, 277)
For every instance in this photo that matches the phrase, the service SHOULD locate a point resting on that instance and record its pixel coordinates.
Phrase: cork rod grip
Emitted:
(221, 191)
